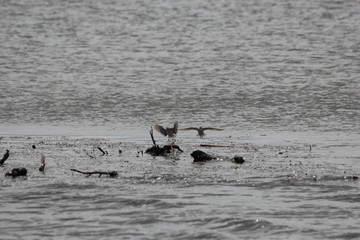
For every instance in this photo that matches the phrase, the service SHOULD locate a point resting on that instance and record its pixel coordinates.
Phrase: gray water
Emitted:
(278, 76)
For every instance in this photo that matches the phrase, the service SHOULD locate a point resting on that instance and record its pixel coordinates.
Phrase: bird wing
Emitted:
(190, 128)
(215, 129)
(176, 126)
(160, 129)
(42, 159)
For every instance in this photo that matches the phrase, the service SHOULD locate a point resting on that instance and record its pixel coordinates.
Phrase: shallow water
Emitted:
(278, 76)
(282, 191)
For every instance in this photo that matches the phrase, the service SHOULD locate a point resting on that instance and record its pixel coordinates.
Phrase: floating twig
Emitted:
(152, 136)
(6, 156)
(216, 145)
(102, 151)
(112, 174)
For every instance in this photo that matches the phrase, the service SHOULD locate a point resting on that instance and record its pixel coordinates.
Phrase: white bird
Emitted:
(42, 162)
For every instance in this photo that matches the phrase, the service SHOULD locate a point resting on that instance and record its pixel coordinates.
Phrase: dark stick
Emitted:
(103, 152)
(6, 156)
(111, 174)
(152, 136)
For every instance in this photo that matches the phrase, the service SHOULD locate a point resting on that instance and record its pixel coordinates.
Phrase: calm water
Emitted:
(278, 76)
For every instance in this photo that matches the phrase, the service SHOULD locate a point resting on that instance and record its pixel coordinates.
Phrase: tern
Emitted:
(42, 162)
(169, 132)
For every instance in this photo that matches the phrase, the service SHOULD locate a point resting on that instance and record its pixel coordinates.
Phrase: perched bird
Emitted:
(201, 130)
(6, 156)
(169, 132)
(42, 162)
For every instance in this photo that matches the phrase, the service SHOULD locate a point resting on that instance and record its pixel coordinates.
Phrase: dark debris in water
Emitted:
(200, 156)
(5, 157)
(16, 172)
(156, 150)
(335, 178)
(111, 174)
(162, 151)
(238, 159)
(102, 151)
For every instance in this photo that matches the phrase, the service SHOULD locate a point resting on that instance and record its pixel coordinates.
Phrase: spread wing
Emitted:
(190, 128)
(176, 125)
(160, 129)
(215, 129)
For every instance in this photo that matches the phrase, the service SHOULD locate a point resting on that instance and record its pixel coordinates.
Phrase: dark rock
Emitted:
(238, 159)
(17, 172)
(200, 156)
(33, 146)
(113, 174)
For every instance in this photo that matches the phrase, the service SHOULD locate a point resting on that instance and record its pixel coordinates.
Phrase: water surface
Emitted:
(278, 76)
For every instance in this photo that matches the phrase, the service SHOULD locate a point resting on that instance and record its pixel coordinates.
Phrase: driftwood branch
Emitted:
(110, 173)
(216, 145)
(152, 136)
(102, 151)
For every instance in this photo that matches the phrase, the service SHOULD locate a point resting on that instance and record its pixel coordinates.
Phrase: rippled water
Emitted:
(268, 64)
(278, 76)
